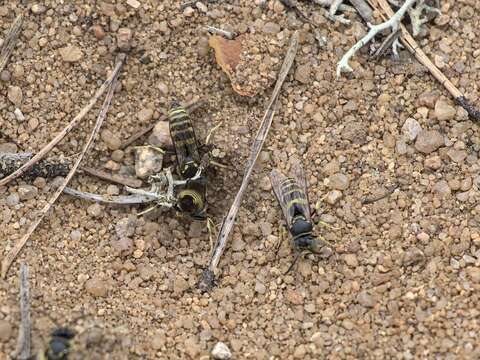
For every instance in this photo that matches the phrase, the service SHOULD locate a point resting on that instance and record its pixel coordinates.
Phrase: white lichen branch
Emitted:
(416, 17)
(393, 23)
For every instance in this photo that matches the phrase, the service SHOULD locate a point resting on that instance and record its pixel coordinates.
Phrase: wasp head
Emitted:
(174, 104)
(59, 345)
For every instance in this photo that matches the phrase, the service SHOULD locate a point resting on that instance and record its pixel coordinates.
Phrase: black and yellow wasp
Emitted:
(58, 347)
(291, 193)
(191, 197)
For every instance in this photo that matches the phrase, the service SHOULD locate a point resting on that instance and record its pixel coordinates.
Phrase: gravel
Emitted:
(410, 287)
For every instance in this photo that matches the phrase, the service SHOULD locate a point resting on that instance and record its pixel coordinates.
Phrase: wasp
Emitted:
(191, 197)
(292, 195)
(58, 346)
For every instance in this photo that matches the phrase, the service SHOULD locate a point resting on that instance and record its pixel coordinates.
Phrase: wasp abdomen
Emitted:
(184, 141)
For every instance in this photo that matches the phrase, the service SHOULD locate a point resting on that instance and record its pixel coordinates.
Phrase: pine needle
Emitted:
(101, 116)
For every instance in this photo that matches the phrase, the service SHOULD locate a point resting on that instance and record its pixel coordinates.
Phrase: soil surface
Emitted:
(405, 277)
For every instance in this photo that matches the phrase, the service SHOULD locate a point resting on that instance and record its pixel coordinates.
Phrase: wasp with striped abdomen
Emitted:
(291, 193)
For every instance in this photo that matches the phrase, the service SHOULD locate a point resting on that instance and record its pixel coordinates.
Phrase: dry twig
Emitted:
(414, 49)
(190, 107)
(24, 335)
(213, 30)
(363, 9)
(41, 154)
(372, 199)
(208, 276)
(101, 116)
(117, 179)
(10, 41)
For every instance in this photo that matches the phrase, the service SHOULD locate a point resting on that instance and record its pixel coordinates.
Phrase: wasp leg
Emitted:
(212, 130)
(211, 227)
(151, 208)
(316, 211)
(282, 235)
(299, 253)
(217, 164)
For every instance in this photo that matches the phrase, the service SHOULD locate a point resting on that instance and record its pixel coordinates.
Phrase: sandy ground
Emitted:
(405, 280)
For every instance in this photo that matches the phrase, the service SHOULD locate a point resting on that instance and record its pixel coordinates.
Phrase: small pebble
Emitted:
(221, 351)
(365, 299)
(19, 115)
(428, 141)
(76, 235)
(71, 53)
(145, 115)
(333, 196)
(351, 260)
(124, 38)
(12, 199)
(133, 3)
(338, 181)
(271, 28)
(27, 192)
(111, 140)
(411, 128)
(444, 111)
(148, 161)
(117, 155)
(413, 256)
(15, 95)
(6, 330)
(160, 136)
(98, 32)
(38, 9)
(95, 210)
(96, 287)
(113, 190)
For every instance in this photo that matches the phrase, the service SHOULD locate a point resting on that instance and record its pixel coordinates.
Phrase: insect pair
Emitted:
(191, 196)
(291, 193)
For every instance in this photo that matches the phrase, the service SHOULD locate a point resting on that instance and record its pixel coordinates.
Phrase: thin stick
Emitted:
(24, 335)
(117, 179)
(101, 116)
(112, 200)
(393, 23)
(10, 41)
(213, 30)
(414, 48)
(370, 200)
(190, 106)
(41, 154)
(363, 10)
(208, 277)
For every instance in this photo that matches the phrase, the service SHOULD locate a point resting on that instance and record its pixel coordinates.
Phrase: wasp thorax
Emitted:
(301, 226)
(189, 170)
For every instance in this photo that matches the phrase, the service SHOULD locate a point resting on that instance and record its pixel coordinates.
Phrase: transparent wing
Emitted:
(277, 179)
(301, 179)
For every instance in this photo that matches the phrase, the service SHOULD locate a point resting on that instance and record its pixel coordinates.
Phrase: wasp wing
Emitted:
(277, 179)
(301, 179)
(290, 196)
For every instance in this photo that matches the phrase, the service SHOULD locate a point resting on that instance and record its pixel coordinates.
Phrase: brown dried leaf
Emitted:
(227, 52)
